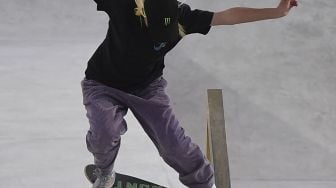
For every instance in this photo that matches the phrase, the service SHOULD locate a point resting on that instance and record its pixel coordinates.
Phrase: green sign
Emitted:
(119, 184)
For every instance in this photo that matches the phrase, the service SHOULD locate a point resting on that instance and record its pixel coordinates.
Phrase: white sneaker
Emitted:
(214, 186)
(104, 180)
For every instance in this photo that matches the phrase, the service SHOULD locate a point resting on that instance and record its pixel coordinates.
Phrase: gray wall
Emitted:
(278, 79)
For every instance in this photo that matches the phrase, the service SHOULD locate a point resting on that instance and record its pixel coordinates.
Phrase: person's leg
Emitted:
(151, 108)
(107, 124)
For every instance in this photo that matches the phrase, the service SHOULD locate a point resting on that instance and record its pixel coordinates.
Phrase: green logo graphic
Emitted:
(167, 21)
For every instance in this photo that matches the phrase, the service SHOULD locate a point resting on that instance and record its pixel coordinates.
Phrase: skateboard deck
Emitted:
(122, 180)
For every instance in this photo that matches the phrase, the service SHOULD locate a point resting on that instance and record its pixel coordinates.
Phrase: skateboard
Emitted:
(122, 180)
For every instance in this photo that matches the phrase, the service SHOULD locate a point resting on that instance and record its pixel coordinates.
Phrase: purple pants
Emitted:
(106, 108)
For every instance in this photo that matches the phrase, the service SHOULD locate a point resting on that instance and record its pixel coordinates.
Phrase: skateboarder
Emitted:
(125, 73)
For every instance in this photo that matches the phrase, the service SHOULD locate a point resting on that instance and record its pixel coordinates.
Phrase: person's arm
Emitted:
(239, 15)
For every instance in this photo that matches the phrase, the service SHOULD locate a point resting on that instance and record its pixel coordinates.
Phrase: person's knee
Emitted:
(179, 147)
(100, 108)
(102, 144)
(106, 121)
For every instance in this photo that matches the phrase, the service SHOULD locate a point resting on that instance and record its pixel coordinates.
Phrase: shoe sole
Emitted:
(88, 171)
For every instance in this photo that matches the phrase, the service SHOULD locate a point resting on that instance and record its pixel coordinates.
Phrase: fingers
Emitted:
(294, 3)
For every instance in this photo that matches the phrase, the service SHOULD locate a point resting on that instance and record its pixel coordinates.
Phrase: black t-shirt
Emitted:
(128, 59)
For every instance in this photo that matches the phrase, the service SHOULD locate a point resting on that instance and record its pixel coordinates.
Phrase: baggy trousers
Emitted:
(106, 108)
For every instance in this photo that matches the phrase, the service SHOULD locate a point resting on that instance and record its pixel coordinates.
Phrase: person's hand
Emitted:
(285, 6)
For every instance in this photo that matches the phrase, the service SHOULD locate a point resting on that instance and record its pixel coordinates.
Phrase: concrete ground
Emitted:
(278, 79)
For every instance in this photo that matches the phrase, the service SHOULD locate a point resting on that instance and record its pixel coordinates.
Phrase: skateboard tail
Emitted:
(122, 180)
